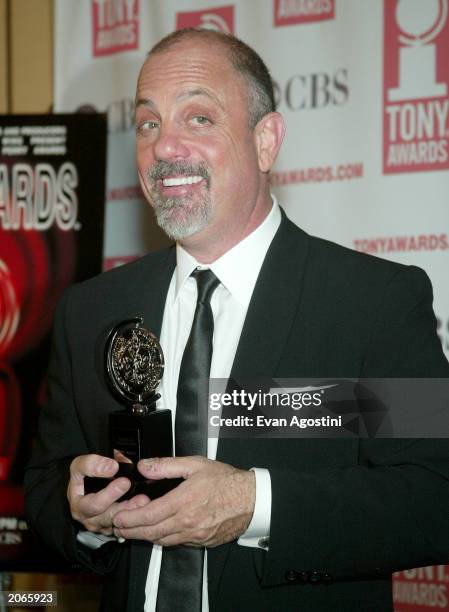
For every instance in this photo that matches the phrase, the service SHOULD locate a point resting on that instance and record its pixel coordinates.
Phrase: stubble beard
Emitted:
(183, 216)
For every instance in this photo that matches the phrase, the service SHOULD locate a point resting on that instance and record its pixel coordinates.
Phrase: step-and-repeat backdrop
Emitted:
(364, 88)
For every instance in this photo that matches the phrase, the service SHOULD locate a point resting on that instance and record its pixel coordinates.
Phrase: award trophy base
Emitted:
(134, 436)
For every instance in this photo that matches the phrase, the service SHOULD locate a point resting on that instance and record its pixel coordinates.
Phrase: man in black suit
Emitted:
(338, 516)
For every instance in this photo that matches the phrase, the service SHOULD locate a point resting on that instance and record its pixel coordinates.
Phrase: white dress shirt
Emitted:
(237, 271)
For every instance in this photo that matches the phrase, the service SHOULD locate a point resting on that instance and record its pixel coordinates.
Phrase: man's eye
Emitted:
(200, 120)
(145, 126)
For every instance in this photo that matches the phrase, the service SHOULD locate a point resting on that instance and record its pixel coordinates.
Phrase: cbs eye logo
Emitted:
(221, 19)
(213, 21)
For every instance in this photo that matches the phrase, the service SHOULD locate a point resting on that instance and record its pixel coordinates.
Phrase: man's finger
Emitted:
(167, 529)
(92, 465)
(138, 501)
(155, 512)
(170, 467)
(88, 465)
(95, 504)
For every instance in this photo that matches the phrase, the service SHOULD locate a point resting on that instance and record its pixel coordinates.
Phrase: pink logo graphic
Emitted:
(416, 85)
(422, 589)
(221, 19)
(115, 26)
(288, 12)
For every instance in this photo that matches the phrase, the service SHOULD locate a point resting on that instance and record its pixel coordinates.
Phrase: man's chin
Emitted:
(182, 218)
(180, 230)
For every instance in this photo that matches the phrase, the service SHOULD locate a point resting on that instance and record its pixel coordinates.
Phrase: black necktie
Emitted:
(181, 577)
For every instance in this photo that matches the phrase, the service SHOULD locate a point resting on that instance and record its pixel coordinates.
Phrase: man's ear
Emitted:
(268, 135)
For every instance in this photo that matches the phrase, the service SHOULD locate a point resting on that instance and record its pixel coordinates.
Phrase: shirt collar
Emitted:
(239, 267)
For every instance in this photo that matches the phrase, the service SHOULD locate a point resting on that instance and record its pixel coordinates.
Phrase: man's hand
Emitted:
(212, 506)
(97, 510)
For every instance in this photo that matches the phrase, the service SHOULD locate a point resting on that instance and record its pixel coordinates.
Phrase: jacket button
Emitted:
(304, 577)
(291, 575)
(315, 576)
(327, 578)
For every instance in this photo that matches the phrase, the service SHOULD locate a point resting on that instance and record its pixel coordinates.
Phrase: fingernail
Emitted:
(106, 465)
(148, 463)
(122, 485)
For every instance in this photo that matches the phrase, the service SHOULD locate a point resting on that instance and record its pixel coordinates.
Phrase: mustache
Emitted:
(163, 169)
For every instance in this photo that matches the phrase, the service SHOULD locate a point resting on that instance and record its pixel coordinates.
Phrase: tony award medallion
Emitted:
(134, 368)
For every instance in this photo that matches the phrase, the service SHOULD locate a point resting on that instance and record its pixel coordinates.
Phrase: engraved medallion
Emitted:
(134, 362)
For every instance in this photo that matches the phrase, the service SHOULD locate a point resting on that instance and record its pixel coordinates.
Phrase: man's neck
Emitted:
(206, 248)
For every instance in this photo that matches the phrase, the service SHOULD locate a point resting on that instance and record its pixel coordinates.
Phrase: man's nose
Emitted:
(170, 144)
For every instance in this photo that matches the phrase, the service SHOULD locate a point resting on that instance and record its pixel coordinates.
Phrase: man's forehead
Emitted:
(190, 51)
(204, 70)
(181, 96)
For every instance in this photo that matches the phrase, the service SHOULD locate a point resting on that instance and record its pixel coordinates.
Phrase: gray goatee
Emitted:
(180, 216)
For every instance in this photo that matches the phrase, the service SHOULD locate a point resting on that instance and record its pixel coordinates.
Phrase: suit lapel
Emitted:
(271, 312)
(148, 292)
(273, 305)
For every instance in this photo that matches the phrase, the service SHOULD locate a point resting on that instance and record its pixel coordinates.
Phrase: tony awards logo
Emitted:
(115, 26)
(134, 368)
(420, 23)
(416, 85)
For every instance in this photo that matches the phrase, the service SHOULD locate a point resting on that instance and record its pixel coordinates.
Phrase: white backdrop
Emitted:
(363, 85)
(364, 88)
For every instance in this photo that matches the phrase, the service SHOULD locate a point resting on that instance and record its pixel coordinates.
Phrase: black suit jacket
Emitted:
(345, 513)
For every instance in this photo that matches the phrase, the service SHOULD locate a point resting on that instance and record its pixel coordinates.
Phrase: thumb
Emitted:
(170, 467)
(92, 465)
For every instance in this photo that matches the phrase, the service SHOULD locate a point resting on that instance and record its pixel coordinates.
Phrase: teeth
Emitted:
(181, 180)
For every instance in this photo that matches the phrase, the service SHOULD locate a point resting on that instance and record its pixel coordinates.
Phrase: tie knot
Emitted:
(206, 282)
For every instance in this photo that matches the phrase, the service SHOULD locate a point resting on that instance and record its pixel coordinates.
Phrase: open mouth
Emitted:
(176, 181)
(172, 186)
(173, 179)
